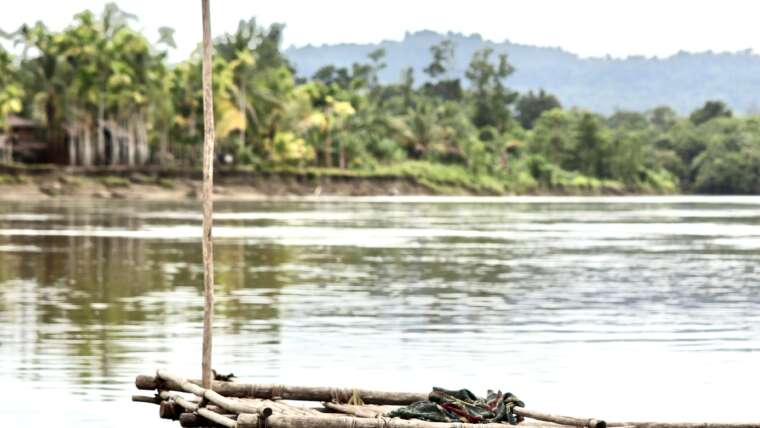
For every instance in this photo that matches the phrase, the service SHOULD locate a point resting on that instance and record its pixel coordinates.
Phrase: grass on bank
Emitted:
(520, 178)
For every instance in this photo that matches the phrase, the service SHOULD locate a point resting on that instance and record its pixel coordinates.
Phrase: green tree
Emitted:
(377, 63)
(439, 84)
(631, 120)
(531, 105)
(552, 137)
(331, 75)
(443, 58)
(42, 80)
(257, 94)
(709, 111)
(490, 97)
(663, 118)
(626, 156)
(730, 163)
(591, 147)
(11, 96)
(407, 86)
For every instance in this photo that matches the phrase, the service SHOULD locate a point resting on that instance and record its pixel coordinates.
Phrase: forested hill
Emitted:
(683, 81)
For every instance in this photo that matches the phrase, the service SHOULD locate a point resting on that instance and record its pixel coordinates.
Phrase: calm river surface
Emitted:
(631, 308)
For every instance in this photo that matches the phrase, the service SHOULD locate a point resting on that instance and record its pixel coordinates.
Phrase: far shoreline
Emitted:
(41, 183)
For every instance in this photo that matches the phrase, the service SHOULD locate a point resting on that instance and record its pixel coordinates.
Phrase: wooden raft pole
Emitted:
(208, 202)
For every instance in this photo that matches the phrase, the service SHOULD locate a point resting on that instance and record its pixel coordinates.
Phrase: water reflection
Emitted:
(533, 295)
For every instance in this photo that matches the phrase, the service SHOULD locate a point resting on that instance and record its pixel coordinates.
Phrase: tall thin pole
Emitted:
(208, 203)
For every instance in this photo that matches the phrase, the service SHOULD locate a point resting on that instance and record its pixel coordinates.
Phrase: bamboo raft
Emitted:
(240, 405)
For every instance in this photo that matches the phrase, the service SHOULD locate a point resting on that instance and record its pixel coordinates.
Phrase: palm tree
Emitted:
(11, 94)
(43, 81)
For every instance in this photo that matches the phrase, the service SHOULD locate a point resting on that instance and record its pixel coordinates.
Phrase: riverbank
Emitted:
(146, 184)
(152, 183)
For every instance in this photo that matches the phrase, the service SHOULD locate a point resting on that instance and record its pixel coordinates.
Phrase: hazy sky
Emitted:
(586, 27)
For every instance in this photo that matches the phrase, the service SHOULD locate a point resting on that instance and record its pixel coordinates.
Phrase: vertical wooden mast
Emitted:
(208, 204)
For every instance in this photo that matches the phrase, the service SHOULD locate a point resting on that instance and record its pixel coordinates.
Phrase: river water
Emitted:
(619, 308)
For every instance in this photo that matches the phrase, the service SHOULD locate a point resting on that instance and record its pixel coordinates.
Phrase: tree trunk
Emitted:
(116, 142)
(55, 151)
(86, 146)
(142, 139)
(327, 154)
(131, 140)
(208, 203)
(72, 141)
(342, 149)
(241, 107)
(163, 151)
(101, 155)
(8, 142)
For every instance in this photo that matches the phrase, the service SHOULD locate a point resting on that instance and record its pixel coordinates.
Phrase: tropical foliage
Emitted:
(100, 73)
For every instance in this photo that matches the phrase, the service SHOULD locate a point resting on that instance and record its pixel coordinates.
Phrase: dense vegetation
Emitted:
(476, 133)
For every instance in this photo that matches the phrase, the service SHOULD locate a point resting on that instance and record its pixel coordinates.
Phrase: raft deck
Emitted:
(240, 405)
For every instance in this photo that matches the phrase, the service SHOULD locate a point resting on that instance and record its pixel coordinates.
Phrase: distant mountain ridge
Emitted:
(682, 81)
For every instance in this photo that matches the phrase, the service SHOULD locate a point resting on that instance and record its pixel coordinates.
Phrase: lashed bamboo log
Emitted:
(182, 401)
(279, 421)
(286, 392)
(208, 203)
(191, 406)
(192, 420)
(287, 409)
(230, 405)
(146, 399)
(187, 405)
(169, 410)
(557, 419)
(359, 411)
(685, 424)
(217, 418)
(252, 421)
(171, 398)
